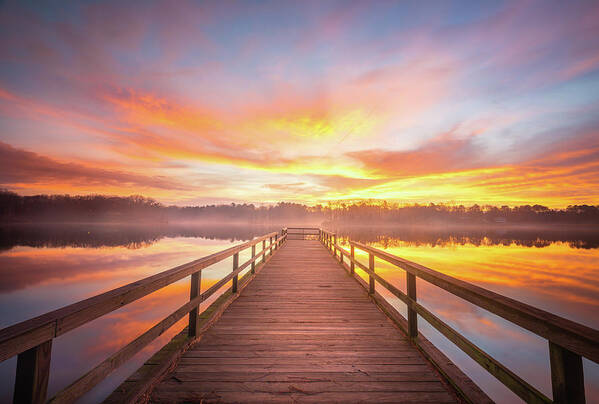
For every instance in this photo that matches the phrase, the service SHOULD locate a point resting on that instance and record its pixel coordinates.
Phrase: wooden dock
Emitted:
(303, 331)
(296, 323)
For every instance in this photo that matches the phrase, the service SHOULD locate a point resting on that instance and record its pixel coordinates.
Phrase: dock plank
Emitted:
(303, 331)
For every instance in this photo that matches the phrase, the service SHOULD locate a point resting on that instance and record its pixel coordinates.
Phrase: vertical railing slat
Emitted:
(412, 315)
(567, 376)
(253, 270)
(352, 267)
(235, 266)
(370, 277)
(194, 317)
(33, 373)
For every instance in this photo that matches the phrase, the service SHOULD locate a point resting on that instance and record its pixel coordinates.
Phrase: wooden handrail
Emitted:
(568, 340)
(576, 337)
(31, 339)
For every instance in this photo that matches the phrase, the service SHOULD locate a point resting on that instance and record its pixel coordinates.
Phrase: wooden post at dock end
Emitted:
(370, 277)
(352, 267)
(194, 314)
(263, 251)
(253, 270)
(567, 376)
(235, 266)
(412, 315)
(33, 373)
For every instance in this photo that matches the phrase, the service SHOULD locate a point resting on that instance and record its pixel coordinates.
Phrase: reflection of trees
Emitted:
(439, 236)
(105, 235)
(139, 236)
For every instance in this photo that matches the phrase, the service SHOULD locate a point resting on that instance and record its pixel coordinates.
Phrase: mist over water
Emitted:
(44, 267)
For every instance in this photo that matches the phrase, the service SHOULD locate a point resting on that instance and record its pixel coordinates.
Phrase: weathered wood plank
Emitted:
(297, 396)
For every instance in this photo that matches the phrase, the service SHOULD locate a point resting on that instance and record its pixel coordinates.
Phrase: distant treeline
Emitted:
(99, 208)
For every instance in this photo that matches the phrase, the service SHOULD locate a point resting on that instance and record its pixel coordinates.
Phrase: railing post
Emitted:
(370, 277)
(270, 245)
(567, 377)
(352, 267)
(263, 251)
(276, 241)
(235, 266)
(253, 270)
(194, 314)
(33, 373)
(412, 315)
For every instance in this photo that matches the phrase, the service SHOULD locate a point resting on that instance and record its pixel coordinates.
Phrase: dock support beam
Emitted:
(235, 266)
(567, 377)
(194, 314)
(370, 277)
(412, 315)
(33, 373)
(352, 266)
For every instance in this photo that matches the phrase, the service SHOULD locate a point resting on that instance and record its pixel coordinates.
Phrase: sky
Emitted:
(217, 102)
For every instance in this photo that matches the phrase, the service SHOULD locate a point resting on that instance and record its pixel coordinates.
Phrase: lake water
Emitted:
(46, 267)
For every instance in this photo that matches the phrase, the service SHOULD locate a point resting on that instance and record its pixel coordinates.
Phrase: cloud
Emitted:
(446, 152)
(25, 168)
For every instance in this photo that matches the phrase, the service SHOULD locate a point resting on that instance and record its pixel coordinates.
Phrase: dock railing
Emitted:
(568, 341)
(31, 340)
(302, 233)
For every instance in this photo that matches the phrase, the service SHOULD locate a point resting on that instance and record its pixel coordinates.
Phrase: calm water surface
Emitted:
(43, 268)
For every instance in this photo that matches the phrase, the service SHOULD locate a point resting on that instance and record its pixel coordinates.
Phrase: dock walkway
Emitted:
(302, 320)
(303, 331)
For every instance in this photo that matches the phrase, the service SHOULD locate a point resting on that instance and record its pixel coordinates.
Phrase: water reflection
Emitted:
(478, 236)
(47, 267)
(97, 235)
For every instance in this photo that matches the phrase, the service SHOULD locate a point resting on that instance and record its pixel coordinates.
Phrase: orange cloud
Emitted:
(24, 167)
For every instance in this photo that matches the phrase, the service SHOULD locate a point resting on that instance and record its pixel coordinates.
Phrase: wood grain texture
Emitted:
(303, 331)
